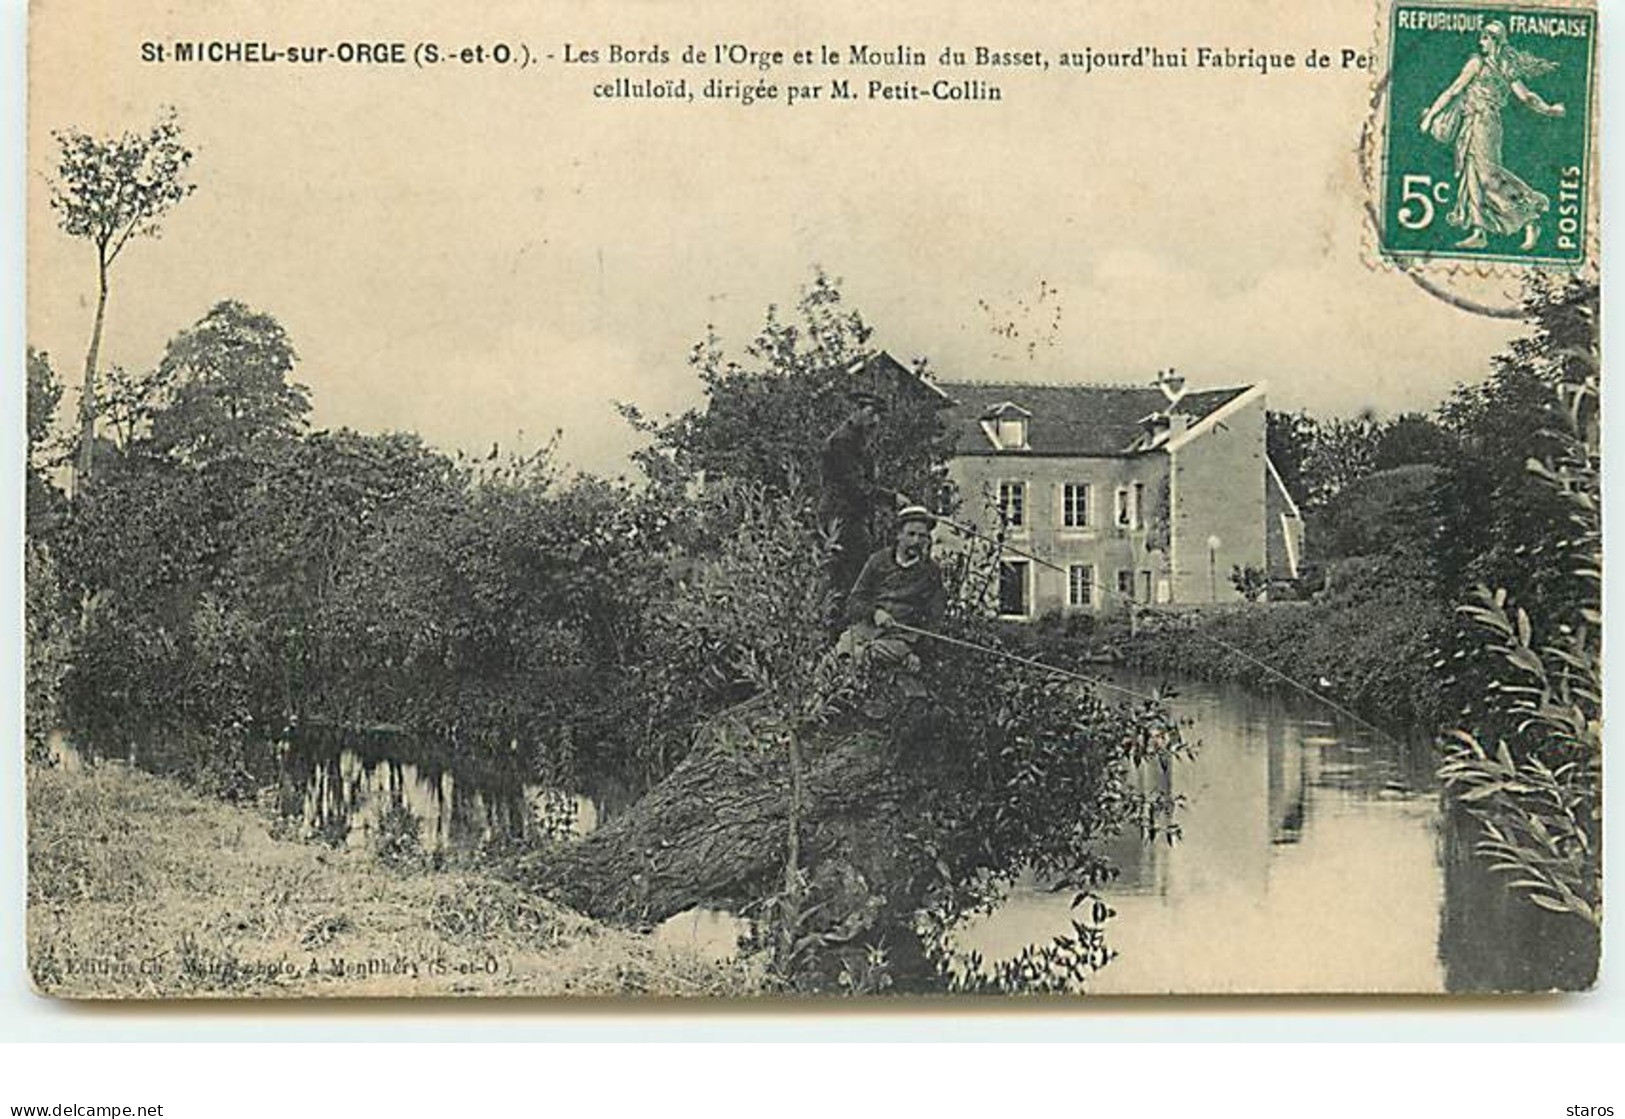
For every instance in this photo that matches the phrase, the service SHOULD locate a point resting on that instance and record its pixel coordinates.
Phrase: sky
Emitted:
(485, 254)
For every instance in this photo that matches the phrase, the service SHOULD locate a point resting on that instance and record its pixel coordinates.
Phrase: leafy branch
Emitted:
(1538, 797)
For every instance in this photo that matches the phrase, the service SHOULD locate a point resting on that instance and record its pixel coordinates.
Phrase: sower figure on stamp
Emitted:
(850, 496)
(901, 584)
(1467, 115)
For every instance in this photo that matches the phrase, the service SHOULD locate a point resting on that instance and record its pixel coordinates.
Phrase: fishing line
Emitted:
(1304, 688)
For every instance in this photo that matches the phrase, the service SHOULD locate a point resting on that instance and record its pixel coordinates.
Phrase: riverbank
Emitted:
(1373, 648)
(139, 888)
(1375, 667)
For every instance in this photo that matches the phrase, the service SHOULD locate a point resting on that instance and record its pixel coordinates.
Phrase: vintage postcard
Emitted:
(727, 500)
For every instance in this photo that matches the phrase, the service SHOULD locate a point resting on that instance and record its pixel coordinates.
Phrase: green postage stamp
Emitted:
(1488, 153)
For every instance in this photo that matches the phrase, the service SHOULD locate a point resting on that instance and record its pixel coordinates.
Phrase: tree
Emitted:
(1343, 452)
(109, 191)
(1412, 439)
(127, 401)
(317, 503)
(1390, 514)
(166, 650)
(226, 386)
(765, 418)
(1502, 527)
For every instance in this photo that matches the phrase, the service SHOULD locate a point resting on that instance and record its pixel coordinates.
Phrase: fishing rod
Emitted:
(1094, 681)
(1006, 546)
(1225, 645)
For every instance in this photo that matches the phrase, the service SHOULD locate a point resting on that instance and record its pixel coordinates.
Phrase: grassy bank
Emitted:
(1373, 647)
(139, 888)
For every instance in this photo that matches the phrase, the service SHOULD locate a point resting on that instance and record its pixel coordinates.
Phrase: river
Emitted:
(1314, 856)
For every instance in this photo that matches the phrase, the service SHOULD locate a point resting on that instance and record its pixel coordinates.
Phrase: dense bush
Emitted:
(229, 576)
(47, 647)
(1532, 775)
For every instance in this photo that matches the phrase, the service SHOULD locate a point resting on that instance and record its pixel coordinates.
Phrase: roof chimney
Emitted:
(1172, 385)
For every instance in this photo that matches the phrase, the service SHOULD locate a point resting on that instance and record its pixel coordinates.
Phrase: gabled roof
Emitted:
(884, 375)
(1092, 421)
(1005, 409)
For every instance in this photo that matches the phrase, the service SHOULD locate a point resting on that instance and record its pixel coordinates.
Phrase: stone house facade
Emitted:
(1116, 494)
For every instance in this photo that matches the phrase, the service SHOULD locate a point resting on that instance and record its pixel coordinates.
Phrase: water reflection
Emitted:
(1498, 942)
(352, 790)
(712, 934)
(1313, 858)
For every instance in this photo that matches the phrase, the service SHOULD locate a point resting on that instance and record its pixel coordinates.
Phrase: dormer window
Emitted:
(1006, 426)
(1012, 432)
(1153, 431)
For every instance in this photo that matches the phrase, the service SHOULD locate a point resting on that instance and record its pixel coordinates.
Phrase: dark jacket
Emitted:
(913, 595)
(847, 469)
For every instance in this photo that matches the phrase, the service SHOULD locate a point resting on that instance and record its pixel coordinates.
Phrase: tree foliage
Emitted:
(110, 190)
(1390, 515)
(242, 578)
(1503, 527)
(42, 499)
(766, 414)
(225, 386)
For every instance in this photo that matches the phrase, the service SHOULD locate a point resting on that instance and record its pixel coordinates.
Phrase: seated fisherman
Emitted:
(900, 584)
